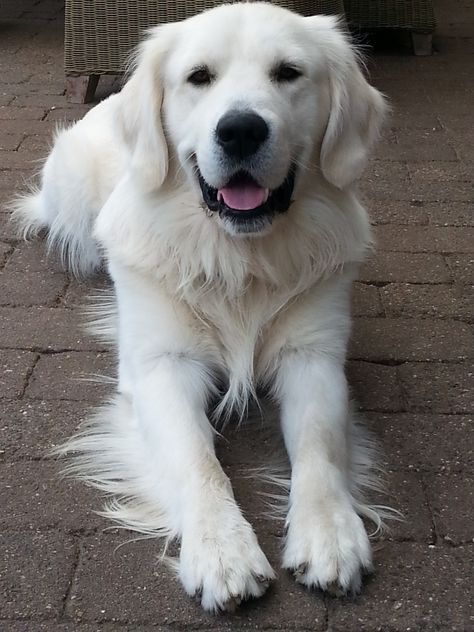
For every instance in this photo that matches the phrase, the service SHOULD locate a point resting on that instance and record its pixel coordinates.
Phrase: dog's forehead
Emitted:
(257, 32)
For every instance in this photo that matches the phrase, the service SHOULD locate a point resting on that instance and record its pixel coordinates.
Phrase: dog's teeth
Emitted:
(267, 193)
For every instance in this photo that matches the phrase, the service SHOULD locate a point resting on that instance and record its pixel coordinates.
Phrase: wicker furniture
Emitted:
(416, 16)
(100, 34)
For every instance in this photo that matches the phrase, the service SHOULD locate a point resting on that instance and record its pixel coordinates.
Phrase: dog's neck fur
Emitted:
(237, 286)
(191, 254)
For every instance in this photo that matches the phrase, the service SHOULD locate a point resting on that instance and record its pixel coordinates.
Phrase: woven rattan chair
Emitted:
(416, 16)
(100, 34)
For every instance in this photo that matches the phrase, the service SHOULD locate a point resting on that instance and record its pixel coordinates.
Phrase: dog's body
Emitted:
(184, 182)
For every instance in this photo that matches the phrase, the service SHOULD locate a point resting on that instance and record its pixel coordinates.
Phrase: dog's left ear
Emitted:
(357, 110)
(139, 112)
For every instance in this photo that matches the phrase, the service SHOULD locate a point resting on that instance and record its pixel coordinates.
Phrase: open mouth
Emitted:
(243, 200)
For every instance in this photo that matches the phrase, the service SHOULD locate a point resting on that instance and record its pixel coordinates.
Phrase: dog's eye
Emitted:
(201, 77)
(285, 73)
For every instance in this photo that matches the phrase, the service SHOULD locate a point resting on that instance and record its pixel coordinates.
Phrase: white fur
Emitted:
(197, 303)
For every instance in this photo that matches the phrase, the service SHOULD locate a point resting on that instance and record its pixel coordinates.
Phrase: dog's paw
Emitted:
(330, 551)
(224, 567)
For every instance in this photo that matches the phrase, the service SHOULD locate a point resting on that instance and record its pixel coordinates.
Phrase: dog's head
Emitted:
(249, 102)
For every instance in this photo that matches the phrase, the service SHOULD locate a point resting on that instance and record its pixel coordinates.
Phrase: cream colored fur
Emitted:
(198, 305)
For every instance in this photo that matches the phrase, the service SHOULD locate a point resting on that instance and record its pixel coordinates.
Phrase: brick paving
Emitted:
(410, 369)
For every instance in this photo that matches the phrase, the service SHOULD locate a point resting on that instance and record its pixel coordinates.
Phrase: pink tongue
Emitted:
(243, 196)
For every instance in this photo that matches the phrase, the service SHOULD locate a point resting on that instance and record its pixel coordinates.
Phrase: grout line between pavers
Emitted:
(421, 469)
(112, 530)
(405, 410)
(392, 362)
(124, 626)
(28, 619)
(7, 254)
(28, 375)
(436, 540)
(49, 351)
(60, 300)
(45, 115)
(52, 352)
(466, 320)
(421, 412)
(434, 251)
(382, 284)
(67, 595)
(327, 623)
(446, 261)
(382, 303)
(401, 388)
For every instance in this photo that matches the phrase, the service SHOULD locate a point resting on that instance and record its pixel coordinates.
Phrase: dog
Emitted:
(218, 188)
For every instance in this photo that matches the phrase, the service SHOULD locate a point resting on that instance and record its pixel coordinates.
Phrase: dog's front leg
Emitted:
(220, 558)
(326, 543)
(164, 369)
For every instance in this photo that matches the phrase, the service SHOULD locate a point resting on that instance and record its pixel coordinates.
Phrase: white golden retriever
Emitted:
(218, 186)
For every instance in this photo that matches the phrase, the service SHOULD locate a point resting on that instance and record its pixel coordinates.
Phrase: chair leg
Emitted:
(81, 89)
(422, 43)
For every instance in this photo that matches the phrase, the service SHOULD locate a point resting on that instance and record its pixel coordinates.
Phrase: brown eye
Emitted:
(286, 73)
(201, 77)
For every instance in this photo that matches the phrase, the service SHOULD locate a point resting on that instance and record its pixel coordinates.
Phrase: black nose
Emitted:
(240, 134)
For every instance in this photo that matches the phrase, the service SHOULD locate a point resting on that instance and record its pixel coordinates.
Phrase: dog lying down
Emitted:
(218, 188)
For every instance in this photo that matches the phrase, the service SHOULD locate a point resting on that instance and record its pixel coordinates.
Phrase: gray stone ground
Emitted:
(410, 368)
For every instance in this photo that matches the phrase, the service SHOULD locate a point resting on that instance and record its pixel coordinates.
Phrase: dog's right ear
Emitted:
(139, 112)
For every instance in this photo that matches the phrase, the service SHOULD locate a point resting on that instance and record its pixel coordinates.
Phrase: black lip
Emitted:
(279, 200)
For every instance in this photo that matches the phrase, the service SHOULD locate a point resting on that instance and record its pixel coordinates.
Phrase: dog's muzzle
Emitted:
(248, 205)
